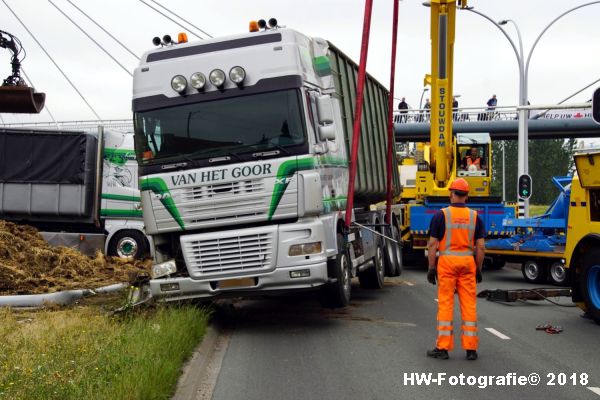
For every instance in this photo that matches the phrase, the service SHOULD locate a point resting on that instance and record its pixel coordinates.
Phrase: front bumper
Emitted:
(210, 278)
(277, 280)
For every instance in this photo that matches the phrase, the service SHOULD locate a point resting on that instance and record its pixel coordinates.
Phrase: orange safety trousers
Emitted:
(456, 274)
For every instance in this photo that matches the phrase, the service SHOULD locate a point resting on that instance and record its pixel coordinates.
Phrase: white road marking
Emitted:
(595, 390)
(496, 333)
(409, 283)
(436, 300)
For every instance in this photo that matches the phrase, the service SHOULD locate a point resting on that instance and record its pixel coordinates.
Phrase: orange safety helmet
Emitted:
(460, 185)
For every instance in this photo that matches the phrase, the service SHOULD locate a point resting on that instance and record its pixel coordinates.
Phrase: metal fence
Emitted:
(86, 126)
(459, 114)
(464, 114)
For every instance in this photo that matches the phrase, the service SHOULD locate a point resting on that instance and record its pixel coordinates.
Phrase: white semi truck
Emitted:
(242, 144)
(79, 189)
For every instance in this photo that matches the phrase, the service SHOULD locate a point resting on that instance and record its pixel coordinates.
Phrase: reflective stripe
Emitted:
(445, 333)
(469, 333)
(448, 232)
(469, 323)
(444, 323)
(456, 253)
(473, 221)
(461, 226)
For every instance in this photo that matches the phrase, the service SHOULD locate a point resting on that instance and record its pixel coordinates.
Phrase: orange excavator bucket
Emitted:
(21, 99)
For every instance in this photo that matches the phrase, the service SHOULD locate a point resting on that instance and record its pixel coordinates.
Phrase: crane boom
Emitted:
(443, 17)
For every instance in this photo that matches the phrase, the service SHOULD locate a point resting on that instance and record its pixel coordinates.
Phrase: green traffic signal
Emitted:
(524, 187)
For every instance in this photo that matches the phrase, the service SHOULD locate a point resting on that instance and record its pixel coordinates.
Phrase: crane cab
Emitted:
(473, 161)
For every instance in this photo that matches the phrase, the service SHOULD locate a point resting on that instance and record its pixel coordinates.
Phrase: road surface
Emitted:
(291, 348)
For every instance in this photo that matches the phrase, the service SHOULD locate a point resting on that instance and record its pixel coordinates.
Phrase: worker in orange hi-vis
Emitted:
(473, 158)
(457, 233)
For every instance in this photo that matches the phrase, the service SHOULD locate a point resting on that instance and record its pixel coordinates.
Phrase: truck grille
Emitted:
(224, 201)
(219, 190)
(215, 256)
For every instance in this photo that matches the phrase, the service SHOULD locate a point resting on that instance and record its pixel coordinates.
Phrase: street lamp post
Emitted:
(523, 164)
(523, 137)
(503, 172)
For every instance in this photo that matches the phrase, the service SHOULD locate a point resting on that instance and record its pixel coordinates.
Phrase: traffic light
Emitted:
(524, 188)
(596, 105)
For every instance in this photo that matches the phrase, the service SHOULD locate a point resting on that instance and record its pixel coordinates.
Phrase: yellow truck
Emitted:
(582, 250)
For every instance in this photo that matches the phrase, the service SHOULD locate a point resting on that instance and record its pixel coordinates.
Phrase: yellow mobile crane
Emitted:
(447, 156)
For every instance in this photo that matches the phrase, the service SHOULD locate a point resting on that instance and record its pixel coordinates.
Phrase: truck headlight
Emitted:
(217, 77)
(305, 249)
(237, 75)
(164, 269)
(198, 80)
(179, 84)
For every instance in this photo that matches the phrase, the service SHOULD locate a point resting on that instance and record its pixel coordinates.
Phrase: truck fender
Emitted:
(590, 240)
(112, 227)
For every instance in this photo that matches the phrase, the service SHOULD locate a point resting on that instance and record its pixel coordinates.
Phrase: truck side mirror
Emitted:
(325, 110)
(327, 132)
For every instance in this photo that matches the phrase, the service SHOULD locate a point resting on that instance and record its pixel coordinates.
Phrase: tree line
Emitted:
(547, 158)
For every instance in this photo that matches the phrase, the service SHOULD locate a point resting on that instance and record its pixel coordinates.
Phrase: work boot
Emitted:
(471, 355)
(438, 353)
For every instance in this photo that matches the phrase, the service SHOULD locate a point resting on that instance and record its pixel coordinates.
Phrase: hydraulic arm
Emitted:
(15, 95)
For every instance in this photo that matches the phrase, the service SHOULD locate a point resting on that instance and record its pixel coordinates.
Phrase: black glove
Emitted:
(432, 275)
(478, 276)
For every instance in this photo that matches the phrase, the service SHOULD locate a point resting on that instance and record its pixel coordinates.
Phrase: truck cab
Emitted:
(243, 160)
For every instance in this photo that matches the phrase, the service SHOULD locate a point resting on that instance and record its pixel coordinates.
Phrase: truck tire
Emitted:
(337, 294)
(590, 284)
(398, 251)
(534, 271)
(373, 278)
(128, 244)
(391, 254)
(558, 274)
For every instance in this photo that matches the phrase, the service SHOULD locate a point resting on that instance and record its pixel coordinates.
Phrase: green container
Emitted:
(370, 184)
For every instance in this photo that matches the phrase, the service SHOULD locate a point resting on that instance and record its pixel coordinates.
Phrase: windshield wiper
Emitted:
(225, 157)
(269, 152)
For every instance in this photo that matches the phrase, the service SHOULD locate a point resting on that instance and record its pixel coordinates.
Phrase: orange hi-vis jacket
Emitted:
(456, 271)
(476, 161)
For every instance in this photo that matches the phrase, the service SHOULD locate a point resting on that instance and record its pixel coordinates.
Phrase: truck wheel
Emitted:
(398, 248)
(337, 294)
(391, 255)
(590, 284)
(372, 278)
(558, 274)
(128, 244)
(534, 271)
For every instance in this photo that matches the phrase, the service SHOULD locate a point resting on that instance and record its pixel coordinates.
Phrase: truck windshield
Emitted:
(234, 125)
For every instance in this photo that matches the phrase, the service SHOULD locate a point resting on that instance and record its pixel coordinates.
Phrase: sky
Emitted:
(566, 59)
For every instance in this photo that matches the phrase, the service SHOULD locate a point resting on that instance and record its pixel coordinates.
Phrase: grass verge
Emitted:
(84, 353)
(536, 209)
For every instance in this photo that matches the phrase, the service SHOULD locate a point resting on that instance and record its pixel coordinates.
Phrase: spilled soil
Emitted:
(29, 265)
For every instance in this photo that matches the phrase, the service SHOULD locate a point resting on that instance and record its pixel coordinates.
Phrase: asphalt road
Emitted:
(291, 348)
